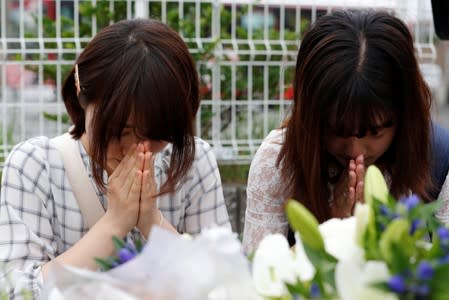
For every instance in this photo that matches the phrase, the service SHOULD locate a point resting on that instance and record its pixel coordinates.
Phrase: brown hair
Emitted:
(140, 68)
(359, 66)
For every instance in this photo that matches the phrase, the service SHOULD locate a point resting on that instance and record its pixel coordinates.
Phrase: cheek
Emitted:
(382, 147)
(126, 143)
(333, 145)
(114, 151)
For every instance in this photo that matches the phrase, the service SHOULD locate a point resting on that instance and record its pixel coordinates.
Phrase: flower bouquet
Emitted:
(389, 250)
(209, 266)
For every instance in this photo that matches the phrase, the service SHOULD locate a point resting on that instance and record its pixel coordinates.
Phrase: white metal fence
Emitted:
(245, 53)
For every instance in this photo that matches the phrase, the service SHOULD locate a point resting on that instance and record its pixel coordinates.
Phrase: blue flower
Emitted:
(125, 255)
(421, 290)
(397, 284)
(415, 225)
(444, 259)
(131, 247)
(315, 291)
(425, 270)
(410, 202)
(384, 210)
(443, 235)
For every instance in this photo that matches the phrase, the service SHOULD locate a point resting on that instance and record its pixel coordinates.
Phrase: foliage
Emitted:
(124, 251)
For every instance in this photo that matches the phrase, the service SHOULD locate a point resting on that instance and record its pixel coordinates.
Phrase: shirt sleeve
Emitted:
(204, 192)
(265, 197)
(26, 235)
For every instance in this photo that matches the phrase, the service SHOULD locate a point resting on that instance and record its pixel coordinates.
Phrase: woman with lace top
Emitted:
(359, 99)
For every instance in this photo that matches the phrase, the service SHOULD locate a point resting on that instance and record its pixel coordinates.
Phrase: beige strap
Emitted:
(82, 188)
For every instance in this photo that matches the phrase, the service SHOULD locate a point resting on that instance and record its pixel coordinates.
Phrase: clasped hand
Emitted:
(131, 191)
(349, 189)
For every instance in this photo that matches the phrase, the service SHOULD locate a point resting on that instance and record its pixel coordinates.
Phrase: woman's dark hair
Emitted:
(139, 68)
(357, 68)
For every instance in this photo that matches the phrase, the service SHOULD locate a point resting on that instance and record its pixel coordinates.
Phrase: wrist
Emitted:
(155, 218)
(112, 226)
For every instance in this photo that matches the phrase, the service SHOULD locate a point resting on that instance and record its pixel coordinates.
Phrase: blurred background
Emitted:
(244, 50)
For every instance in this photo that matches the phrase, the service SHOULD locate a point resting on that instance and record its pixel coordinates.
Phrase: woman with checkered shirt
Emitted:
(132, 96)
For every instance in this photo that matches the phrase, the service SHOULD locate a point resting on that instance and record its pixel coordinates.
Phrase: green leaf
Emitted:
(303, 222)
(396, 234)
(324, 264)
(118, 243)
(298, 288)
(104, 264)
(139, 245)
(401, 260)
(439, 285)
(375, 186)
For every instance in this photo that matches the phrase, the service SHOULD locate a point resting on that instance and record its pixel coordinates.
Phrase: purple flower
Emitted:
(415, 225)
(125, 255)
(443, 234)
(384, 210)
(444, 260)
(425, 270)
(397, 284)
(421, 290)
(114, 264)
(131, 247)
(315, 291)
(410, 202)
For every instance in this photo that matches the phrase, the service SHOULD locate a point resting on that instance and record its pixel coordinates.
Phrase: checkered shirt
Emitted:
(40, 217)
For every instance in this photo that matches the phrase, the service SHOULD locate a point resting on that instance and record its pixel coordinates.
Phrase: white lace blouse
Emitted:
(265, 196)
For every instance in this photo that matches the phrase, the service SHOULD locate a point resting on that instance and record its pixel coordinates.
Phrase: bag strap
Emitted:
(82, 188)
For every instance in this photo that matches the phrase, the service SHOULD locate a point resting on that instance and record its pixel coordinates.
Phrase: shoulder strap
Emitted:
(82, 188)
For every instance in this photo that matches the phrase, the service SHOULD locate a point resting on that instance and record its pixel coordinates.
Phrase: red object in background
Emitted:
(50, 11)
(15, 73)
(16, 4)
(204, 90)
(50, 6)
(289, 93)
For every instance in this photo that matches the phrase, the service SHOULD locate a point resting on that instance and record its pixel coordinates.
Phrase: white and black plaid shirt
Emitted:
(40, 217)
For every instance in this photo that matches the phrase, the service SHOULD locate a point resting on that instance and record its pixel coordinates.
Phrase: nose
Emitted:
(354, 147)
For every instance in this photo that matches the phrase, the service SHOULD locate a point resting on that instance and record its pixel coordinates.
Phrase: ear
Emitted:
(440, 10)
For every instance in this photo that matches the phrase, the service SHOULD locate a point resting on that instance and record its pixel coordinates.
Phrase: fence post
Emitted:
(216, 78)
(141, 9)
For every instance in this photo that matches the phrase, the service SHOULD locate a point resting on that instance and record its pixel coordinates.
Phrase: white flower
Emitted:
(273, 265)
(303, 267)
(339, 238)
(354, 277)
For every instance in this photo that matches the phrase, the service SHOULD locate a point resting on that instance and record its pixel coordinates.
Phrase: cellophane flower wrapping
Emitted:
(209, 266)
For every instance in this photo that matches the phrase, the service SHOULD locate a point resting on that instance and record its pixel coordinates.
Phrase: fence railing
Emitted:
(245, 53)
